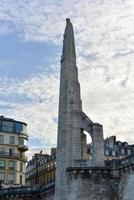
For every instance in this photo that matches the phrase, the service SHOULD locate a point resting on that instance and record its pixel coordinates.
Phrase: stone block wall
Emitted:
(126, 186)
(91, 184)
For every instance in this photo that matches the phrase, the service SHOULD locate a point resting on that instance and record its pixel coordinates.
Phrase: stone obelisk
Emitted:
(70, 108)
(71, 145)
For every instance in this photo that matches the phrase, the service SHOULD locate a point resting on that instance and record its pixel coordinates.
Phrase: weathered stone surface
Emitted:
(71, 144)
(70, 108)
(126, 186)
(91, 184)
(98, 145)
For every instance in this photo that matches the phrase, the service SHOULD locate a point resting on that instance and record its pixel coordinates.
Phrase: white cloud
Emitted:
(40, 111)
(105, 47)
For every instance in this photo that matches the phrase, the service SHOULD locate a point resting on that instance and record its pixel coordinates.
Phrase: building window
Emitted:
(24, 129)
(19, 127)
(2, 164)
(20, 179)
(21, 141)
(10, 178)
(7, 126)
(2, 175)
(11, 164)
(2, 150)
(129, 152)
(113, 153)
(106, 152)
(21, 167)
(122, 151)
(1, 139)
(12, 139)
(11, 152)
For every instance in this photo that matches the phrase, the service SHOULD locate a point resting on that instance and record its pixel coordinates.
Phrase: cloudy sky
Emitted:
(31, 34)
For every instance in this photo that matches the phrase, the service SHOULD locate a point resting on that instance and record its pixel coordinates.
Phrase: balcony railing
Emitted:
(12, 155)
(25, 190)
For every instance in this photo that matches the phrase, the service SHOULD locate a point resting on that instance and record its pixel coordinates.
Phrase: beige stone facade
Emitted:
(41, 169)
(13, 144)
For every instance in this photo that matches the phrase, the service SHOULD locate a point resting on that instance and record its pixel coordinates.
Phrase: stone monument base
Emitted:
(91, 183)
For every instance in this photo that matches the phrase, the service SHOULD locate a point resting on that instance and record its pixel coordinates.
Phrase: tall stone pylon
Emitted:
(70, 108)
(71, 143)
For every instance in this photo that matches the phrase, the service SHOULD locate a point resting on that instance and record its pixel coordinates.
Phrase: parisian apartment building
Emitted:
(41, 168)
(13, 145)
(114, 149)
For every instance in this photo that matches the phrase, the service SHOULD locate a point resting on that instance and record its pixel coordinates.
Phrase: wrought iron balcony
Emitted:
(25, 190)
(13, 155)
